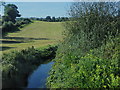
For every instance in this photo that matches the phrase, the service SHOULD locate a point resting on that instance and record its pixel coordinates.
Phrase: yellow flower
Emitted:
(104, 86)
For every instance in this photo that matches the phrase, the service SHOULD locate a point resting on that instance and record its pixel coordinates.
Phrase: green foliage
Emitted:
(18, 64)
(22, 21)
(8, 20)
(8, 27)
(97, 69)
(94, 25)
(11, 12)
(89, 57)
(48, 18)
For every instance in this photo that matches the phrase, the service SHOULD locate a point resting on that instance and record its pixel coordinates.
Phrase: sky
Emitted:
(42, 9)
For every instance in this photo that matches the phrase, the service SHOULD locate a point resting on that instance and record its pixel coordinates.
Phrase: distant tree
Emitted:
(21, 21)
(11, 12)
(53, 19)
(9, 18)
(41, 19)
(48, 18)
(59, 19)
(63, 18)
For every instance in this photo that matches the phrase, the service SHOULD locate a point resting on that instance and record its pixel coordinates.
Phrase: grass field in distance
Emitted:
(37, 34)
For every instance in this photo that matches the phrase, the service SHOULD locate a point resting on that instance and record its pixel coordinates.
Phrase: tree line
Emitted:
(51, 19)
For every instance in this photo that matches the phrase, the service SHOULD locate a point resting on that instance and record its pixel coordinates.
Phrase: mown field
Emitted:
(37, 34)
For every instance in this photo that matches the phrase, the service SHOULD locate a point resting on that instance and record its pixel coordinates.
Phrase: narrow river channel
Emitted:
(38, 78)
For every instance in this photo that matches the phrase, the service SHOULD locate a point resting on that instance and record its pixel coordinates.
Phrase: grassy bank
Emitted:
(17, 65)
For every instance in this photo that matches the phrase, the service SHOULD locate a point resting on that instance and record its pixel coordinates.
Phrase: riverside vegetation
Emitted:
(17, 65)
(89, 57)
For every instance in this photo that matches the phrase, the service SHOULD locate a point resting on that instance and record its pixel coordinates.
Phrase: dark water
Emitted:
(38, 78)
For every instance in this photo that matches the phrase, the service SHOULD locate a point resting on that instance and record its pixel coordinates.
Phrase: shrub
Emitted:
(23, 21)
(8, 27)
(89, 56)
(97, 69)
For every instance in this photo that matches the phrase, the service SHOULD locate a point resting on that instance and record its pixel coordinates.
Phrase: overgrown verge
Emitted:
(99, 68)
(17, 65)
(89, 57)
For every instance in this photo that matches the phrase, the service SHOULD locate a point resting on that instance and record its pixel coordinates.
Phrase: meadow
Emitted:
(37, 34)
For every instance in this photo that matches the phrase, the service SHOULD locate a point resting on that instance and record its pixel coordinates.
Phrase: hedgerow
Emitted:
(89, 56)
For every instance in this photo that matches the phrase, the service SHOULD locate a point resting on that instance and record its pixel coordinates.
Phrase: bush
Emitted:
(89, 56)
(97, 69)
(23, 21)
(8, 27)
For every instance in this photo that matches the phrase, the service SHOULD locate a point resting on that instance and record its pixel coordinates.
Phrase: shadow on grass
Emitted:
(10, 42)
(5, 48)
(25, 38)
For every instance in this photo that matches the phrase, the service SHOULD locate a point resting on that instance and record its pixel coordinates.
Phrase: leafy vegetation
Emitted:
(89, 57)
(21, 22)
(8, 20)
(99, 68)
(17, 65)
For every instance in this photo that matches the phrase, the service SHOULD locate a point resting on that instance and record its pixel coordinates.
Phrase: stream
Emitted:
(38, 78)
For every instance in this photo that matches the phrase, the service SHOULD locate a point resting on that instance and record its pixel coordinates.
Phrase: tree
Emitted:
(8, 20)
(11, 12)
(53, 19)
(48, 18)
(94, 22)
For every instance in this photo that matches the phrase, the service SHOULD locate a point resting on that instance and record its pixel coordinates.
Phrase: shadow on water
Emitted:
(5, 48)
(25, 38)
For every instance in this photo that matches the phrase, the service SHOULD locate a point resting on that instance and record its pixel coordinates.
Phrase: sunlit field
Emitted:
(37, 34)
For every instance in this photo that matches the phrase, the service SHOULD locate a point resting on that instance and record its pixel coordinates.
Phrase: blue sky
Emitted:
(42, 9)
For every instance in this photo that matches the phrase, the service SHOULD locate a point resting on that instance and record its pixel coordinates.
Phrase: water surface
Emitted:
(38, 78)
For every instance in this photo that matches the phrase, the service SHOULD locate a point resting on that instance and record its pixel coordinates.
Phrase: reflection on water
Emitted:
(38, 78)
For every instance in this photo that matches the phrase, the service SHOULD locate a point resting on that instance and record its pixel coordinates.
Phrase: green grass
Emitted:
(37, 34)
